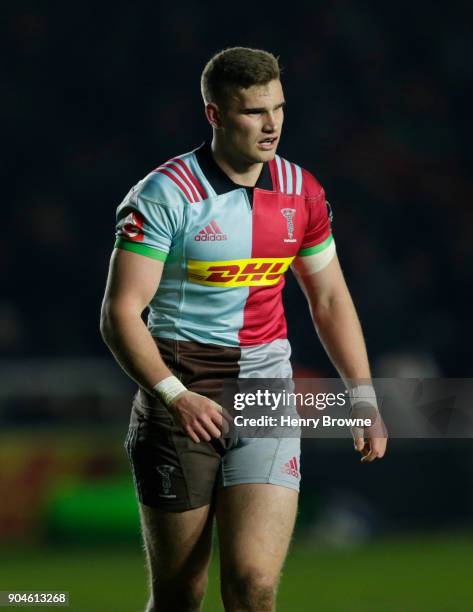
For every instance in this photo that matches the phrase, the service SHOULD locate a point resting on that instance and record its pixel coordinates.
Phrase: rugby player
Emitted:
(204, 241)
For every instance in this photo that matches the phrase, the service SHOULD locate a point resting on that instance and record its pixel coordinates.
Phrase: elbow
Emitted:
(105, 322)
(326, 305)
(115, 316)
(320, 311)
(331, 300)
(323, 304)
(110, 318)
(331, 308)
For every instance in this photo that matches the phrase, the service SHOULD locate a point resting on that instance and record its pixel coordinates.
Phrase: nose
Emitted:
(270, 124)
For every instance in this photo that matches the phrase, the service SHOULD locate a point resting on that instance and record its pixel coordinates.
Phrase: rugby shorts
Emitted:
(173, 473)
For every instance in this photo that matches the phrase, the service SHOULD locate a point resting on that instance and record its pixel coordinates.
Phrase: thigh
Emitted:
(255, 524)
(171, 472)
(178, 544)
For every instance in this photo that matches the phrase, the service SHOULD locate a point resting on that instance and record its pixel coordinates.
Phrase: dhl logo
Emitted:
(255, 272)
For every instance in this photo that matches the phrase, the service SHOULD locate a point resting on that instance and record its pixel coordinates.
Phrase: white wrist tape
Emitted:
(363, 393)
(169, 388)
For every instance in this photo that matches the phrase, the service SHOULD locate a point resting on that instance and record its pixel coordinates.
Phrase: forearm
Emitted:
(133, 347)
(135, 350)
(339, 330)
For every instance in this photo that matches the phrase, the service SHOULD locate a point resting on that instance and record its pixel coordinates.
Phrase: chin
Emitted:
(264, 156)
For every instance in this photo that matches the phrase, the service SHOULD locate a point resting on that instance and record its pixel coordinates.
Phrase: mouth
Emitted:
(267, 143)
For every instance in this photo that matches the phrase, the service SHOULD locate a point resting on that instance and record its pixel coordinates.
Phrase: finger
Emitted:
(201, 432)
(359, 444)
(217, 406)
(379, 446)
(214, 431)
(217, 419)
(226, 414)
(357, 433)
(220, 421)
(188, 430)
(222, 412)
(220, 416)
(223, 424)
(365, 450)
(227, 421)
(369, 457)
(206, 423)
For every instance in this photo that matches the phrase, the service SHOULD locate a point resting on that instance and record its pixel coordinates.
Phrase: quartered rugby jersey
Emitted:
(226, 247)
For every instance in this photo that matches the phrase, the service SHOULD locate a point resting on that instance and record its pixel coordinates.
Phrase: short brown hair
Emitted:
(237, 67)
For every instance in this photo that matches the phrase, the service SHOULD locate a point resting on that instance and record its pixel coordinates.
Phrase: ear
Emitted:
(213, 115)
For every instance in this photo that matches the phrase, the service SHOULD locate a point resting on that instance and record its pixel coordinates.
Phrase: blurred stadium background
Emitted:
(94, 97)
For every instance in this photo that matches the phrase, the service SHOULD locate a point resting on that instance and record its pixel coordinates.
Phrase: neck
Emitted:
(238, 170)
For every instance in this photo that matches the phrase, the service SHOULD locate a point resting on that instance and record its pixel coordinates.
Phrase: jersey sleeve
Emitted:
(146, 223)
(318, 247)
(318, 234)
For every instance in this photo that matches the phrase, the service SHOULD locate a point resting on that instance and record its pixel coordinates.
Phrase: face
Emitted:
(249, 125)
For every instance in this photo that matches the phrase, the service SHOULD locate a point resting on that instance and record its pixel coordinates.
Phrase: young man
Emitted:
(204, 240)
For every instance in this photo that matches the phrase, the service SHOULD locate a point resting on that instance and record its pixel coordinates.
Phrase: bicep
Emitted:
(133, 280)
(319, 285)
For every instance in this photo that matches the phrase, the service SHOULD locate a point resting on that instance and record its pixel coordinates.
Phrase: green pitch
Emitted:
(408, 574)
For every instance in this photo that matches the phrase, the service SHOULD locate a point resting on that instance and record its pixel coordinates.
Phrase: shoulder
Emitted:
(172, 183)
(311, 187)
(294, 179)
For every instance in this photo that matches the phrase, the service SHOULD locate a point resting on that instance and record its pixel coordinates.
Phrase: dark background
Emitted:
(379, 98)
(94, 96)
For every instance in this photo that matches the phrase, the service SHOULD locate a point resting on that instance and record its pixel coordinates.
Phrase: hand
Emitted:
(200, 417)
(371, 441)
(373, 448)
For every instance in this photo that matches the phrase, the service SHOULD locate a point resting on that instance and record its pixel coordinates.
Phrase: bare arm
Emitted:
(132, 282)
(335, 320)
(339, 330)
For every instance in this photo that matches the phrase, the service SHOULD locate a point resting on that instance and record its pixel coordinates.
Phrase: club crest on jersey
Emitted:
(289, 214)
(210, 233)
(165, 471)
(258, 271)
(131, 226)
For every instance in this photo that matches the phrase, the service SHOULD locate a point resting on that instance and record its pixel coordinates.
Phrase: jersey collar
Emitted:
(222, 183)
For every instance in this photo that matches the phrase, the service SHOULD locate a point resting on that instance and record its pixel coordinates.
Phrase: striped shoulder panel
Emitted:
(289, 176)
(179, 172)
(194, 166)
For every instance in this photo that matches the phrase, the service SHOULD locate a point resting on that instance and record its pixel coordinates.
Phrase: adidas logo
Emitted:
(210, 233)
(291, 468)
